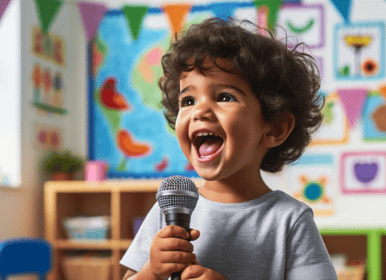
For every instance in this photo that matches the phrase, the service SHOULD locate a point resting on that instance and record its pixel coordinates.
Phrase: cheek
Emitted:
(182, 130)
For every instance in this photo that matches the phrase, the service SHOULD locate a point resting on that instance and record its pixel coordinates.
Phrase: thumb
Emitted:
(194, 234)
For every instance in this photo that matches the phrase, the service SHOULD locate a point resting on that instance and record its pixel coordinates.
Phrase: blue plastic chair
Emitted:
(25, 255)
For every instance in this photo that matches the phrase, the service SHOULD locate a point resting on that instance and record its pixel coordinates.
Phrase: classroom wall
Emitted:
(22, 209)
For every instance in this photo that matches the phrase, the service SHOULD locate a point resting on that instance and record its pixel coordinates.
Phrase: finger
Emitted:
(192, 271)
(194, 234)
(173, 231)
(178, 257)
(175, 244)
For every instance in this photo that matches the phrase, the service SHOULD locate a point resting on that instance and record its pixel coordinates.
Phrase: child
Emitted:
(240, 102)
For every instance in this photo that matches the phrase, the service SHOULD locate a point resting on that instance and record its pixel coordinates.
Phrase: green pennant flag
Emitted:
(47, 12)
(273, 10)
(134, 16)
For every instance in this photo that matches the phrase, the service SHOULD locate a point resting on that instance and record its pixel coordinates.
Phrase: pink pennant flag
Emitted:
(3, 6)
(92, 14)
(353, 100)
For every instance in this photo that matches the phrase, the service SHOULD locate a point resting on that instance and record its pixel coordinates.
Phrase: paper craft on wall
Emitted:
(128, 129)
(363, 172)
(334, 129)
(46, 137)
(374, 118)
(48, 92)
(49, 47)
(302, 23)
(359, 52)
(311, 180)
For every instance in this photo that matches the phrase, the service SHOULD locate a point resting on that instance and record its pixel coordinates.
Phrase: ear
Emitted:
(278, 131)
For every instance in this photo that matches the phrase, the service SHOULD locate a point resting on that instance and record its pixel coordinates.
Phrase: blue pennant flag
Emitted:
(223, 10)
(344, 8)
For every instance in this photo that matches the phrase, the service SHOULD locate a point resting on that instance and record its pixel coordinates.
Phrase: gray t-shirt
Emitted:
(273, 237)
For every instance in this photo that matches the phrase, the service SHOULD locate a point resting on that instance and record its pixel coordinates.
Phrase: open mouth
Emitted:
(208, 146)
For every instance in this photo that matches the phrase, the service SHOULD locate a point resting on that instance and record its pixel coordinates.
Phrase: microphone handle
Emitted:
(182, 220)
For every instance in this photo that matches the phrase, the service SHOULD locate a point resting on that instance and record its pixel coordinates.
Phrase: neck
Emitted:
(235, 189)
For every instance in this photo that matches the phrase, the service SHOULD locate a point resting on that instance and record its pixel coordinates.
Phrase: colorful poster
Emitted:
(302, 23)
(311, 180)
(374, 118)
(48, 47)
(128, 129)
(334, 129)
(46, 137)
(363, 172)
(359, 51)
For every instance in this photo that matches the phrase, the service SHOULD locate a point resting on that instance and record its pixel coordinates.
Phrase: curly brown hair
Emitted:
(284, 80)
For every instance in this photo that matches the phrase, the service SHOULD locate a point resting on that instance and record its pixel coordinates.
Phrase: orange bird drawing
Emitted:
(127, 145)
(112, 99)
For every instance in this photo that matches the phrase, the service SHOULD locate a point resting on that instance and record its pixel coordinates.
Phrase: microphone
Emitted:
(177, 197)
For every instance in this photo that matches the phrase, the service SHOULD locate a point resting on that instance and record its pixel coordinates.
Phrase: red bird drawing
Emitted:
(112, 99)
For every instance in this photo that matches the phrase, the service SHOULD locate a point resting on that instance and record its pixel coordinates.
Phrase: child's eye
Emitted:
(187, 101)
(226, 97)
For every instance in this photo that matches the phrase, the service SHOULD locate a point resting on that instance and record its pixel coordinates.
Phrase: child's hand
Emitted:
(201, 273)
(171, 252)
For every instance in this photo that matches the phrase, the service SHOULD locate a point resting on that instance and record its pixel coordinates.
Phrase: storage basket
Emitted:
(352, 272)
(87, 267)
(89, 228)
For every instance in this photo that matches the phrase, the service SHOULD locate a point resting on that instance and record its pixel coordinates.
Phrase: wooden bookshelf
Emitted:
(122, 201)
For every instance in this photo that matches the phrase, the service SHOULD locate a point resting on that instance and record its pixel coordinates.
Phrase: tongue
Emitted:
(209, 147)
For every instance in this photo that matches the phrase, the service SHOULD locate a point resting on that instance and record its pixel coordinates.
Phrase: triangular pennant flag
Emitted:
(92, 14)
(273, 10)
(3, 6)
(223, 10)
(352, 100)
(134, 16)
(176, 14)
(47, 12)
(344, 8)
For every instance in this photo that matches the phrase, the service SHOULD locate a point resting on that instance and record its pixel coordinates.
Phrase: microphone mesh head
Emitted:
(177, 183)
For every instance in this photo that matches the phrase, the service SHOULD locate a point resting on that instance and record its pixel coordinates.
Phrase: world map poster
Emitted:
(127, 127)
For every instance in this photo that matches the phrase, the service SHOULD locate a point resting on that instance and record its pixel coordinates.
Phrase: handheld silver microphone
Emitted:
(177, 197)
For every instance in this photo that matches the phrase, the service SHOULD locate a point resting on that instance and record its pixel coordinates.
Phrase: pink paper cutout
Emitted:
(92, 14)
(352, 100)
(3, 6)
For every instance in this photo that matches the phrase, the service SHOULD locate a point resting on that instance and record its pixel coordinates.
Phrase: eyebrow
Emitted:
(222, 85)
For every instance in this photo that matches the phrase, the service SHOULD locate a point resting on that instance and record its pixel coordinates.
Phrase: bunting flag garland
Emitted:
(273, 10)
(177, 15)
(47, 12)
(223, 10)
(3, 6)
(134, 16)
(344, 8)
(92, 14)
(352, 100)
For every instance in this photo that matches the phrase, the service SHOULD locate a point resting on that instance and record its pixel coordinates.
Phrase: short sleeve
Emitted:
(139, 251)
(306, 255)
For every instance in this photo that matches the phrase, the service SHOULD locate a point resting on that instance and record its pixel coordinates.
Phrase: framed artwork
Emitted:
(363, 172)
(334, 129)
(359, 51)
(311, 180)
(374, 118)
(302, 23)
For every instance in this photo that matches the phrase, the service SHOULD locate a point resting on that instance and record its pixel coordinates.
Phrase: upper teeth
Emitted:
(205, 134)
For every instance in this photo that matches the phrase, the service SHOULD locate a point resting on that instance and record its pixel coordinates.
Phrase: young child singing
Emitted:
(240, 102)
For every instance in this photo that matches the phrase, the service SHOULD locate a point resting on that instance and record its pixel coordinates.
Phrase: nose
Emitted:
(203, 111)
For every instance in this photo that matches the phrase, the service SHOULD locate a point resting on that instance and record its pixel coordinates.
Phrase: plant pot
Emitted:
(62, 176)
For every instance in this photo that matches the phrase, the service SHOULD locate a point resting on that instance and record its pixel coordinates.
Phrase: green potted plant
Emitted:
(62, 165)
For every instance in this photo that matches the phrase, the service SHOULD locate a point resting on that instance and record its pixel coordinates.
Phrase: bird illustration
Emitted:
(129, 146)
(160, 167)
(112, 99)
